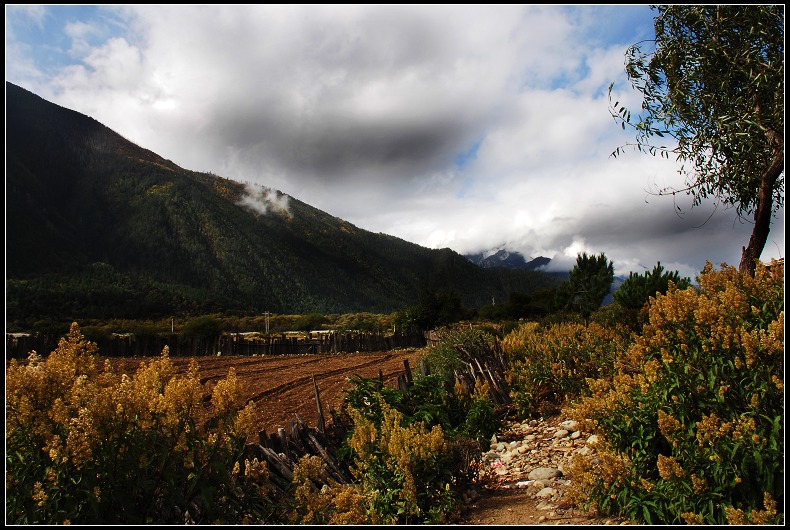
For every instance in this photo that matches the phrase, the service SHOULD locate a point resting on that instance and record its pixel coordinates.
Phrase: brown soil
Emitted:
(518, 507)
(282, 385)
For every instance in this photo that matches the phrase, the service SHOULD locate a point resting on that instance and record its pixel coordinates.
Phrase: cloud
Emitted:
(469, 127)
(264, 200)
(27, 14)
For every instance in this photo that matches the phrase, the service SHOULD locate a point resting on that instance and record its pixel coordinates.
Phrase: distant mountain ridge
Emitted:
(506, 259)
(98, 227)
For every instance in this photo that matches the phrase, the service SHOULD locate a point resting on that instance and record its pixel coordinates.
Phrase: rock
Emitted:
(543, 473)
(537, 460)
(546, 493)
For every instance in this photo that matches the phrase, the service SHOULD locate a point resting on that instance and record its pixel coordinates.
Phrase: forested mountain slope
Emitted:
(98, 227)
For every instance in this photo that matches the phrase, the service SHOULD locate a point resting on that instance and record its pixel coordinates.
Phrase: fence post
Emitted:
(320, 425)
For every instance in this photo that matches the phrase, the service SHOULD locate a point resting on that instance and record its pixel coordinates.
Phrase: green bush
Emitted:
(310, 322)
(693, 422)
(203, 327)
(456, 346)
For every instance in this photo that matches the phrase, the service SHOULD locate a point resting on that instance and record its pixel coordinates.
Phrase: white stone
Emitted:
(575, 435)
(562, 433)
(545, 493)
(543, 473)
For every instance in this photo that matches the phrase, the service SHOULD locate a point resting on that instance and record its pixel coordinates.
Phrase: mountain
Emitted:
(98, 227)
(505, 259)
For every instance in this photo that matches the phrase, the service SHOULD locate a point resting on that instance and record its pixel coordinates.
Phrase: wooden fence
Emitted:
(19, 346)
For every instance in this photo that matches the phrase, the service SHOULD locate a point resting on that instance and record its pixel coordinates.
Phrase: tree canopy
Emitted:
(714, 82)
(637, 289)
(588, 284)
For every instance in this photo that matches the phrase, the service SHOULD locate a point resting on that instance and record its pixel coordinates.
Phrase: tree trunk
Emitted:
(762, 217)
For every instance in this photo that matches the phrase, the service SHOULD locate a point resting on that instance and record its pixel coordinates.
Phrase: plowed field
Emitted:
(283, 385)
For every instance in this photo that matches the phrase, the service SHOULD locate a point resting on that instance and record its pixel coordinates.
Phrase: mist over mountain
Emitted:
(98, 227)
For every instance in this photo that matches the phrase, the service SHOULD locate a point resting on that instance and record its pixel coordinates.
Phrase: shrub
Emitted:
(458, 346)
(310, 322)
(414, 451)
(693, 420)
(85, 445)
(468, 406)
(550, 365)
(406, 469)
(331, 504)
(203, 327)
(364, 322)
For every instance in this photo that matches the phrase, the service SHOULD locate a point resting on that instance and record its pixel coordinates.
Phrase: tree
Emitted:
(715, 83)
(637, 289)
(206, 327)
(588, 284)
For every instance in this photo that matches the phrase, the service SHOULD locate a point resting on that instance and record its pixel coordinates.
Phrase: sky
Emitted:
(472, 127)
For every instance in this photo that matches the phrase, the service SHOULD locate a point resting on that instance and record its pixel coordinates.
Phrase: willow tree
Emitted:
(713, 80)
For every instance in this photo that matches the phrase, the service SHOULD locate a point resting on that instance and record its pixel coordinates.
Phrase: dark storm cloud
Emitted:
(469, 127)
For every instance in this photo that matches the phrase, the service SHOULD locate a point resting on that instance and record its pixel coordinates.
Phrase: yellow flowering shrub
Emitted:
(333, 503)
(696, 408)
(406, 472)
(86, 445)
(551, 365)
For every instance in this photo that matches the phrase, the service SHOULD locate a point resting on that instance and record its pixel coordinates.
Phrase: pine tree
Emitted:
(588, 284)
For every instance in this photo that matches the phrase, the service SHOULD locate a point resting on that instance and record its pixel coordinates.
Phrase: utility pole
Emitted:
(266, 314)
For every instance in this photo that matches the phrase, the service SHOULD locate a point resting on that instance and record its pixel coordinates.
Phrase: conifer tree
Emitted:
(588, 284)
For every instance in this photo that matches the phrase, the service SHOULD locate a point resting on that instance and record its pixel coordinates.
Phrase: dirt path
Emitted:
(518, 507)
(525, 482)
